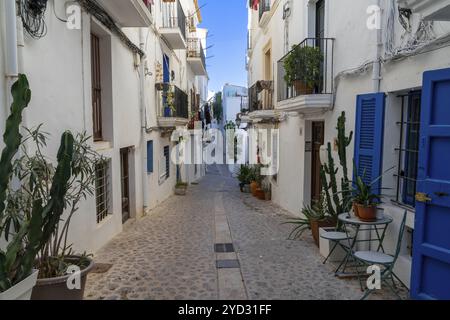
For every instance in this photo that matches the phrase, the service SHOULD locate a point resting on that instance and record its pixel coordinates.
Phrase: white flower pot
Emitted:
(325, 247)
(22, 290)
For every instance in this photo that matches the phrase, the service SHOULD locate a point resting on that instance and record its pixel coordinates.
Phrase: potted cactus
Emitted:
(32, 231)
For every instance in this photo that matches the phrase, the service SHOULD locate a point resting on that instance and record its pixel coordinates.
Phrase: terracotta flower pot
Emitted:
(367, 213)
(355, 209)
(302, 88)
(260, 194)
(253, 186)
(56, 288)
(316, 225)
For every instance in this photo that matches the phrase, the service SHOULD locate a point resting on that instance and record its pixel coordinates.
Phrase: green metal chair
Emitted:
(386, 261)
(337, 237)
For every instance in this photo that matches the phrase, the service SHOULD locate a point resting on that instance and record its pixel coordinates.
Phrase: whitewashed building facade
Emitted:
(105, 75)
(375, 54)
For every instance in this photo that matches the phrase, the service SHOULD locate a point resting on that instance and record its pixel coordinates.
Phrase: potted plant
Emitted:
(254, 177)
(27, 232)
(303, 68)
(365, 201)
(168, 100)
(181, 188)
(244, 176)
(35, 172)
(267, 188)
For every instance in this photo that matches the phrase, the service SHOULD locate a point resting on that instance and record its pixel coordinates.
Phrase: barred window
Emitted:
(102, 190)
(408, 148)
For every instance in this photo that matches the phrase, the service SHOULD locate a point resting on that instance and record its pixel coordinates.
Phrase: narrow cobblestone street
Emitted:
(170, 253)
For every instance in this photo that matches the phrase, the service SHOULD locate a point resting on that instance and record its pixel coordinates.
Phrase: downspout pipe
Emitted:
(12, 64)
(144, 176)
(376, 76)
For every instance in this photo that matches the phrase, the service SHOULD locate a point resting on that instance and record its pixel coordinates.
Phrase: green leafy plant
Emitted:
(181, 184)
(363, 194)
(34, 231)
(303, 63)
(316, 212)
(35, 171)
(217, 107)
(244, 174)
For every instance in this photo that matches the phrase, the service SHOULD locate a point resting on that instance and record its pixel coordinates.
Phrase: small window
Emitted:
(150, 156)
(102, 190)
(167, 161)
(96, 88)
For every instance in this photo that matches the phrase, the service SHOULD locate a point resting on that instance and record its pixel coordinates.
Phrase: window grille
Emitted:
(408, 149)
(102, 190)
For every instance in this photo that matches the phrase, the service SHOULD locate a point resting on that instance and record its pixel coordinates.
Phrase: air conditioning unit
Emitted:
(431, 10)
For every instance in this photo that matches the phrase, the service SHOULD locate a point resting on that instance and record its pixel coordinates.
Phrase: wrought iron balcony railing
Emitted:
(173, 16)
(307, 69)
(195, 49)
(260, 96)
(264, 6)
(172, 101)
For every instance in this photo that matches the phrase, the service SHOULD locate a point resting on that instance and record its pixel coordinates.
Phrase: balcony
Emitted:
(196, 57)
(436, 10)
(172, 106)
(129, 13)
(173, 27)
(260, 103)
(264, 13)
(305, 77)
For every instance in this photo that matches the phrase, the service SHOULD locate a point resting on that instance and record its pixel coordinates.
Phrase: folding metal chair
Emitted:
(386, 261)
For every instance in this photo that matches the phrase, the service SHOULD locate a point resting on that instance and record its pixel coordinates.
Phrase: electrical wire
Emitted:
(56, 15)
(32, 13)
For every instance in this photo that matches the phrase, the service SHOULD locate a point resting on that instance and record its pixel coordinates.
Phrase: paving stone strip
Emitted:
(230, 281)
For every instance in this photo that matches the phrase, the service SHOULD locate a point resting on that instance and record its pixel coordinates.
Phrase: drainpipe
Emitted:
(144, 176)
(376, 76)
(12, 65)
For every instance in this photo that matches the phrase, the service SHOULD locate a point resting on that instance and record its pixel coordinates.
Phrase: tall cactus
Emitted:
(342, 143)
(335, 204)
(331, 170)
(12, 138)
(16, 263)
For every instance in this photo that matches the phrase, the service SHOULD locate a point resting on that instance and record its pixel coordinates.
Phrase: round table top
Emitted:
(351, 219)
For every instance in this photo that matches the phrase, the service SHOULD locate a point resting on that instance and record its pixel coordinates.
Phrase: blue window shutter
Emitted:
(369, 135)
(150, 156)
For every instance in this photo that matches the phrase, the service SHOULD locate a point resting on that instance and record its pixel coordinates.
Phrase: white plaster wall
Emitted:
(231, 107)
(287, 191)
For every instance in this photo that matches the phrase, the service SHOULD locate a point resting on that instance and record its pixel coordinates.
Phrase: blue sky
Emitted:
(227, 24)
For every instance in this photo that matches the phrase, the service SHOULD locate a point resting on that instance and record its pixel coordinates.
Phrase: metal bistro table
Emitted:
(376, 229)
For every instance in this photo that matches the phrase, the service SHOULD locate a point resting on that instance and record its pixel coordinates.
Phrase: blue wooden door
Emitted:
(166, 79)
(430, 278)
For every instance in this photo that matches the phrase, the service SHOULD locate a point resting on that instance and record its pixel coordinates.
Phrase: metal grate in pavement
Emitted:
(223, 247)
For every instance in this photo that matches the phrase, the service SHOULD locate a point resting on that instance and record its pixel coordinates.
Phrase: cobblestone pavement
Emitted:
(170, 253)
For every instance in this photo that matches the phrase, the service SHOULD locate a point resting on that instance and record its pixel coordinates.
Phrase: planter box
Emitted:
(22, 290)
(56, 288)
(180, 191)
(325, 247)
